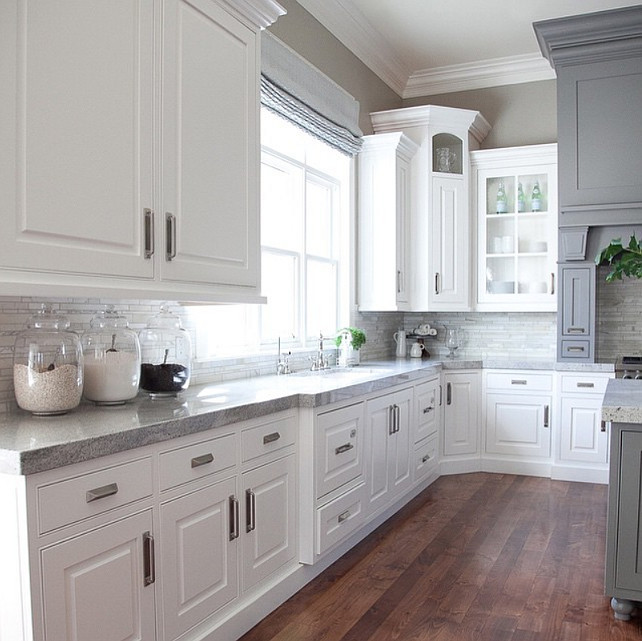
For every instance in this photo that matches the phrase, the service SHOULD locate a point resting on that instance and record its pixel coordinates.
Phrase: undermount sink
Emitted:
(346, 371)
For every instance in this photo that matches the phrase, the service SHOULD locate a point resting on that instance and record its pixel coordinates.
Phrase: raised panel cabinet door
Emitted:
(210, 140)
(628, 567)
(449, 283)
(576, 338)
(518, 424)
(93, 585)
(461, 413)
(400, 470)
(268, 530)
(379, 425)
(76, 120)
(580, 431)
(198, 555)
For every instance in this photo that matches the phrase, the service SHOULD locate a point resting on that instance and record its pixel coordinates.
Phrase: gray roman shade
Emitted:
(299, 92)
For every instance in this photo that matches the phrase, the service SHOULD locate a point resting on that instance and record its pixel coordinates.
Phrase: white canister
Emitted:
(400, 338)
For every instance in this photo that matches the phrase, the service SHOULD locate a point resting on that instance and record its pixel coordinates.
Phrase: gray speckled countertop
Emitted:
(30, 444)
(623, 401)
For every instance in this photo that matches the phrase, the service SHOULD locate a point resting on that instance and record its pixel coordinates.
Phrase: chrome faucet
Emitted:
(320, 361)
(283, 363)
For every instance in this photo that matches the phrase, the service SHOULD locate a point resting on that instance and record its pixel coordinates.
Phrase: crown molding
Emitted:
(494, 72)
(350, 27)
(260, 13)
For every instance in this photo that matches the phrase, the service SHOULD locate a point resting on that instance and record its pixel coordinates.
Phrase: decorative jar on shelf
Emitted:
(112, 359)
(166, 353)
(48, 365)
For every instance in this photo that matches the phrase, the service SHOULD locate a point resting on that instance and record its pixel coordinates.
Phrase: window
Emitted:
(304, 250)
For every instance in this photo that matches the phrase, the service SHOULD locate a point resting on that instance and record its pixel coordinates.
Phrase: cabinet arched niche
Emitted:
(447, 154)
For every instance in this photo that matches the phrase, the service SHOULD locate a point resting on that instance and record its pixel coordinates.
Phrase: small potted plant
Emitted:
(349, 340)
(623, 261)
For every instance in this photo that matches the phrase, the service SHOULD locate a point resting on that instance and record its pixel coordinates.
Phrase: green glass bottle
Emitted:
(521, 201)
(502, 204)
(536, 198)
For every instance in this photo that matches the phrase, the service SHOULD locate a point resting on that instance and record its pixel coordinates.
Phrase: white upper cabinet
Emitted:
(384, 222)
(515, 191)
(440, 218)
(130, 147)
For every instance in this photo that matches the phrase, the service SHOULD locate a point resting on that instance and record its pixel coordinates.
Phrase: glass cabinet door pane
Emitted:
(447, 154)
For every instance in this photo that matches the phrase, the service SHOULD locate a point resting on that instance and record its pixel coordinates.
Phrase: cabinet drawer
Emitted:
(519, 381)
(339, 518)
(196, 461)
(268, 437)
(75, 499)
(584, 384)
(427, 408)
(576, 349)
(425, 458)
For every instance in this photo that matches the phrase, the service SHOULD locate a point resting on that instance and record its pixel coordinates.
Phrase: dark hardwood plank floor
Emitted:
(484, 557)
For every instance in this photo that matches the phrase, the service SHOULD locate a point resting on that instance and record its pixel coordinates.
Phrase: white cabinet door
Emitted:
(210, 147)
(269, 530)
(76, 121)
(581, 437)
(388, 447)
(450, 246)
(518, 424)
(461, 413)
(97, 586)
(198, 559)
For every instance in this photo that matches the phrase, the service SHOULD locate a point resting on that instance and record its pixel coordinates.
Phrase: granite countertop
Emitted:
(623, 401)
(30, 444)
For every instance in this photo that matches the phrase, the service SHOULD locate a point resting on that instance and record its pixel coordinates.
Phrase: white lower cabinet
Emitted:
(582, 446)
(99, 585)
(388, 424)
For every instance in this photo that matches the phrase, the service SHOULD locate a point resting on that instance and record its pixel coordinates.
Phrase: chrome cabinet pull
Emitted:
(576, 330)
(425, 458)
(148, 215)
(101, 492)
(234, 518)
(441, 395)
(398, 281)
(149, 563)
(250, 507)
(343, 516)
(449, 394)
(574, 348)
(391, 419)
(204, 459)
(397, 418)
(547, 411)
(343, 448)
(552, 283)
(518, 381)
(603, 426)
(586, 384)
(270, 438)
(436, 282)
(170, 238)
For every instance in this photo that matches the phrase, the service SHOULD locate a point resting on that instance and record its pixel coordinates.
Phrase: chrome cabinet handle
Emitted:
(428, 409)
(518, 381)
(170, 238)
(552, 283)
(574, 348)
(398, 281)
(101, 492)
(204, 459)
(343, 448)
(449, 394)
(149, 562)
(148, 215)
(234, 518)
(603, 426)
(391, 419)
(436, 282)
(270, 438)
(343, 516)
(547, 411)
(576, 330)
(397, 418)
(250, 506)
(441, 394)
(425, 458)
(586, 384)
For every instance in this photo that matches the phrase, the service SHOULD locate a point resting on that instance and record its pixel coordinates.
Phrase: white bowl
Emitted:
(501, 287)
(533, 288)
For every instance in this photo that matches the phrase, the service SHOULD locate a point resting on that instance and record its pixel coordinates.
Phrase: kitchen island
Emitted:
(622, 408)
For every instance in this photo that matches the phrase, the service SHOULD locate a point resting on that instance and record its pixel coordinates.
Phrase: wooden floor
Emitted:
(484, 557)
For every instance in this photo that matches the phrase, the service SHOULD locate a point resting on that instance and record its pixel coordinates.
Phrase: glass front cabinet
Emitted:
(515, 194)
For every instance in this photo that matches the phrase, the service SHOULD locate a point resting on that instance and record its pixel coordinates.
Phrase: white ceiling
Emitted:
(427, 47)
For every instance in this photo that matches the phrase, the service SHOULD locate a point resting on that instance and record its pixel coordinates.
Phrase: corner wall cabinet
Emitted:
(440, 219)
(384, 222)
(516, 194)
(132, 153)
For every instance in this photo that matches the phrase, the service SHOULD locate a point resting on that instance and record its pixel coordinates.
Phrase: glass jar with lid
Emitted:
(166, 352)
(112, 359)
(48, 365)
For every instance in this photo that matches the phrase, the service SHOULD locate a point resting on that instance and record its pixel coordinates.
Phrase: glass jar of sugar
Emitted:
(166, 351)
(112, 359)
(47, 365)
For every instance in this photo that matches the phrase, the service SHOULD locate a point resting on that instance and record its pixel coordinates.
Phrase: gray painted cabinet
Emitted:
(576, 313)
(624, 534)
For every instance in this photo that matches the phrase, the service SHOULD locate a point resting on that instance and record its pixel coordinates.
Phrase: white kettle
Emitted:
(400, 338)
